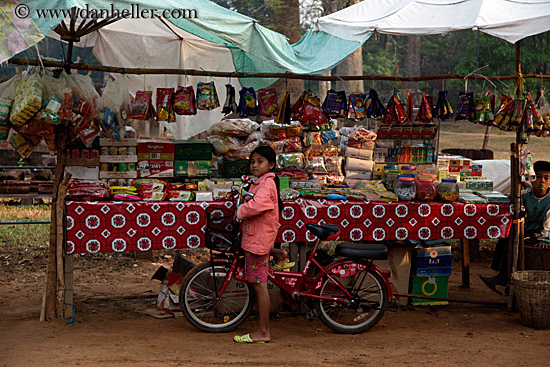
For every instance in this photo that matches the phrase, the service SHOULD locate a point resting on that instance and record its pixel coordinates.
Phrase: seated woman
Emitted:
(536, 228)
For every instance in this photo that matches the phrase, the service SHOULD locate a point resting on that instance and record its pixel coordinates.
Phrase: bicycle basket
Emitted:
(221, 233)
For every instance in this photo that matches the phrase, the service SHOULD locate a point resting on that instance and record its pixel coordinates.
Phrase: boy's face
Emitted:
(541, 183)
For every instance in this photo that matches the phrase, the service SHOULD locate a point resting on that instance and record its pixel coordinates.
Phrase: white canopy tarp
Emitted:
(510, 20)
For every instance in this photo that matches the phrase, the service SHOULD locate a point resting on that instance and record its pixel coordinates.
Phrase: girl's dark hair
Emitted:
(541, 166)
(269, 154)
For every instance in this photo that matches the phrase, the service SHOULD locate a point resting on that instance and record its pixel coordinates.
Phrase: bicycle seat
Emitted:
(365, 250)
(324, 231)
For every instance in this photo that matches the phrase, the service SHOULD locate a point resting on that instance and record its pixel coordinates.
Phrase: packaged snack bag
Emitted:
(464, 106)
(207, 97)
(184, 101)
(425, 112)
(165, 110)
(443, 107)
(142, 108)
(335, 104)
(230, 106)
(285, 111)
(247, 102)
(27, 100)
(356, 107)
(374, 106)
(267, 102)
(396, 111)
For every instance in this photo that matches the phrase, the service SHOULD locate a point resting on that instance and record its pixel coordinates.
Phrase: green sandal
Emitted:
(245, 339)
(287, 265)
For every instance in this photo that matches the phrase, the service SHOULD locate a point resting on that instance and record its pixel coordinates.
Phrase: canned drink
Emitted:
(85, 154)
(131, 150)
(123, 151)
(75, 153)
(113, 151)
(104, 150)
(131, 166)
(104, 167)
(122, 167)
(94, 154)
(113, 167)
(121, 182)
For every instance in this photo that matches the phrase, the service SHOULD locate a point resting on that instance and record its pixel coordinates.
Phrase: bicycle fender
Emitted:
(350, 267)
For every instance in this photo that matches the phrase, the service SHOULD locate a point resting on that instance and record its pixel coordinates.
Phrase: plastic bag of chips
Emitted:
(464, 106)
(356, 107)
(207, 97)
(285, 111)
(373, 105)
(443, 108)
(425, 112)
(292, 161)
(24, 145)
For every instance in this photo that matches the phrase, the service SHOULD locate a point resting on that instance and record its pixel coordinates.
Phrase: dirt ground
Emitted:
(110, 333)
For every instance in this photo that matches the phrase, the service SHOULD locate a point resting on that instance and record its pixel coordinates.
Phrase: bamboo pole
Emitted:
(60, 206)
(225, 74)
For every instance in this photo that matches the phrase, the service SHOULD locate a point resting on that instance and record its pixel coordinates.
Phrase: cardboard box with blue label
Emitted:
(433, 261)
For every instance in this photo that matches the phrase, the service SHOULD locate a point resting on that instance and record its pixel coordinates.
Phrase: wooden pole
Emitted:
(465, 244)
(517, 224)
(225, 74)
(60, 206)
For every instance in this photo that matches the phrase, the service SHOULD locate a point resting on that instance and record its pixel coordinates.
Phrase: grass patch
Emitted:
(24, 236)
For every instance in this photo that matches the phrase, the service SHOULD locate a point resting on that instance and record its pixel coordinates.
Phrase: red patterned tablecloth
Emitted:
(141, 226)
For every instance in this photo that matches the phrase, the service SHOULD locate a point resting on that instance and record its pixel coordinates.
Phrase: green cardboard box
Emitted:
(235, 169)
(192, 150)
(434, 286)
(192, 168)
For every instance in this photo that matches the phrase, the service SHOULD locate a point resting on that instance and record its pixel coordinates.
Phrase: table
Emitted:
(106, 226)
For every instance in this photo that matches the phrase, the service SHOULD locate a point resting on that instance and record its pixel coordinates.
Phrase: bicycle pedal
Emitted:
(312, 315)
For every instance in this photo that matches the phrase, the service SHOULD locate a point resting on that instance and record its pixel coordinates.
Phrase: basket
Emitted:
(221, 233)
(533, 295)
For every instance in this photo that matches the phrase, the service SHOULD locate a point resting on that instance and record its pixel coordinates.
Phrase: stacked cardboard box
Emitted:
(431, 274)
(192, 157)
(155, 158)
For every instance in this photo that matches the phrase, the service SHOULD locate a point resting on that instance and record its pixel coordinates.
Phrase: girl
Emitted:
(260, 224)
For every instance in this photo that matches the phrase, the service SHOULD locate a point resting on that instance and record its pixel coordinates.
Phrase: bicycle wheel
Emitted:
(209, 312)
(363, 311)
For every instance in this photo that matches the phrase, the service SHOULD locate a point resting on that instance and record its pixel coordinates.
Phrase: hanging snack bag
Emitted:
(141, 108)
(165, 110)
(356, 107)
(230, 106)
(247, 102)
(425, 112)
(27, 100)
(335, 104)
(374, 106)
(292, 161)
(24, 144)
(267, 102)
(408, 106)
(207, 97)
(464, 106)
(285, 111)
(500, 114)
(396, 111)
(443, 107)
(184, 101)
(5, 105)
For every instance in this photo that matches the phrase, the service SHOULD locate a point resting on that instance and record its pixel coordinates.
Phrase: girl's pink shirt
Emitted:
(260, 216)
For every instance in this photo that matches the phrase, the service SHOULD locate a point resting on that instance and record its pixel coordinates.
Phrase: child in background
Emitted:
(260, 224)
(536, 228)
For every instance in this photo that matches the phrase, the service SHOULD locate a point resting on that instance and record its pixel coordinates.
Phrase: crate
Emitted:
(192, 150)
(192, 168)
(433, 286)
(433, 261)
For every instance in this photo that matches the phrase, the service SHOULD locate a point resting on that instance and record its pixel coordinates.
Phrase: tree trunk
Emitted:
(411, 59)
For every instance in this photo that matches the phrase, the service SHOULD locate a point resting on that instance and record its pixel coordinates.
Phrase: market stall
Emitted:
(320, 162)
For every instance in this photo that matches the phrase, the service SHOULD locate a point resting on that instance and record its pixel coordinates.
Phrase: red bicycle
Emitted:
(349, 295)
